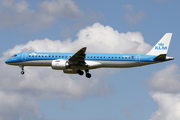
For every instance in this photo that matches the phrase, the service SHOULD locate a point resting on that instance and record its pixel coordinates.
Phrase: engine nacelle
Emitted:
(59, 64)
(70, 71)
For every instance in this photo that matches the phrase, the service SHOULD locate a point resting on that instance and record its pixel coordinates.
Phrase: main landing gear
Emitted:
(22, 68)
(80, 72)
(88, 75)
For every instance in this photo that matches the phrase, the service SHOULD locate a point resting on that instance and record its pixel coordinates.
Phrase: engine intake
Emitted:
(60, 64)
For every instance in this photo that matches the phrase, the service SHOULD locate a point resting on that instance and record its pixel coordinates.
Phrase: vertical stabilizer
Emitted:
(162, 46)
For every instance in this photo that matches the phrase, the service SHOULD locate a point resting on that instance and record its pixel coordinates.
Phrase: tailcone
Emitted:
(169, 58)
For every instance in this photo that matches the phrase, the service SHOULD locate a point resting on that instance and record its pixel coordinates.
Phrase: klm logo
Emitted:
(161, 47)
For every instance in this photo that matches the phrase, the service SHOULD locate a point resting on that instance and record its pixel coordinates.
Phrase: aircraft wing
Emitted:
(78, 56)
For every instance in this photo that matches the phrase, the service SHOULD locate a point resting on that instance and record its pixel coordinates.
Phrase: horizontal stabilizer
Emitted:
(160, 57)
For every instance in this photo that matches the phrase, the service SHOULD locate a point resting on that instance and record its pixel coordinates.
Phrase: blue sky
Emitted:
(143, 93)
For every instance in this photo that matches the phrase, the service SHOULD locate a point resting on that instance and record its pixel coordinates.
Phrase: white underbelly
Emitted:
(123, 64)
(34, 63)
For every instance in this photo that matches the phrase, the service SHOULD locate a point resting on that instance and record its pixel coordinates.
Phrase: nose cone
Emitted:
(8, 61)
(13, 60)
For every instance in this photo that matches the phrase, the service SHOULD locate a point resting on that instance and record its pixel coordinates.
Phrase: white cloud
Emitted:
(166, 80)
(110, 40)
(164, 88)
(17, 104)
(65, 8)
(17, 13)
(131, 17)
(39, 83)
(169, 106)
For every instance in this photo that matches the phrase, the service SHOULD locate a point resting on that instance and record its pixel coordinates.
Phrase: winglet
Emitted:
(162, 46)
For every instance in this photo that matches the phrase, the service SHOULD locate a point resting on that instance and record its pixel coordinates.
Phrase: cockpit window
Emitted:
(14, 55)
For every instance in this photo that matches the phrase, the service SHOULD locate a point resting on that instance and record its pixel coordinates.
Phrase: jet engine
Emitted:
(59, 64)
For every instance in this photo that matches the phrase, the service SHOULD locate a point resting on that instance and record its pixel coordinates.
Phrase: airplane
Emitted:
(76, 63)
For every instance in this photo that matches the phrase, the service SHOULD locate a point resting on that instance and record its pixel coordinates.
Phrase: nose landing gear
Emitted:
(22, 68)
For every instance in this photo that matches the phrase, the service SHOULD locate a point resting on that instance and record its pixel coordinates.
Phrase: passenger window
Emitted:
(29, 56)
(122, 57)
(97, 56)
(62, 56)
(94, 57)
(125, 57)
(32, 55)
(42, 56)
(88, 57)
(49, 56)
(115, 57)
(66, 56)
(119, 57)
(109, 57)
(36, 56)
(101, 57)
(112, 57)
(52, 56)
(104, 57)
(39, 56)
(91, 56)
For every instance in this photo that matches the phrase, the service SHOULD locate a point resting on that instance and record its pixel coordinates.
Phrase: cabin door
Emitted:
(24, 57)
(138, 58)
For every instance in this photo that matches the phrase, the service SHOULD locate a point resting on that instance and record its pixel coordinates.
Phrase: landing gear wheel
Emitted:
(88, 75)
(22, 72)
(80, 72)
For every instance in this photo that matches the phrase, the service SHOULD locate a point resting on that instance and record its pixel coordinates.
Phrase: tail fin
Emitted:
(162, 46)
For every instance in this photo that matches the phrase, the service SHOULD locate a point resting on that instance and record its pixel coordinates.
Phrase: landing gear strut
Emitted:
(22, 68)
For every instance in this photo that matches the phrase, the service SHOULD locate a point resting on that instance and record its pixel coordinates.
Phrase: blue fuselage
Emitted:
(104, 60)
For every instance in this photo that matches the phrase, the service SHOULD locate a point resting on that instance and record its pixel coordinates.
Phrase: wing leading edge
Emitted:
(79, 56)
